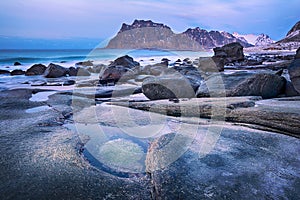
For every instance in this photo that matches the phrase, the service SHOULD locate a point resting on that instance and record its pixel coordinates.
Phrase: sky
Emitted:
(87, 23)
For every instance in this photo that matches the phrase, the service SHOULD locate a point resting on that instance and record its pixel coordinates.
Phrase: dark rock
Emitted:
(97, 68)
(294, 72)
(73, 71)
(17, 72)
(264, 85)
(242, 84)
(4, 71)
(116, 73)
(17, 64)
(85, 63)
(38, 83)
(68, 82)
(154, 70)
(290, 91)
(125, 61)
(79, 71)
(232, 52)
(297, 56)
(214, 64)
(178, 60)
(166, 87)
(37, 69)
(123, 68)
(55, 71)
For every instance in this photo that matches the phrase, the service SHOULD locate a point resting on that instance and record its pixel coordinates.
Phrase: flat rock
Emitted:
(234, 163)
(250, 110)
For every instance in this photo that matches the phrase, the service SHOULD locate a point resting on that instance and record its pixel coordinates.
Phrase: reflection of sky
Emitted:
(64, 19)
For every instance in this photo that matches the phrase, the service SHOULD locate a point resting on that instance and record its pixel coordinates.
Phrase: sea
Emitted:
(68, 57)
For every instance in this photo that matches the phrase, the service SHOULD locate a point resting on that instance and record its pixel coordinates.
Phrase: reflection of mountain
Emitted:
(147, 34)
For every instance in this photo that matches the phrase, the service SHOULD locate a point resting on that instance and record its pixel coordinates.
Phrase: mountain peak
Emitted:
(141, 24)
(295, 28)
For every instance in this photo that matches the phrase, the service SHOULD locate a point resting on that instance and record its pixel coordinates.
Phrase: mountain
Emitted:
(263, 40)
(292, 39)
(250, 38)
(148, 34)
(256, 40)
(212, 39)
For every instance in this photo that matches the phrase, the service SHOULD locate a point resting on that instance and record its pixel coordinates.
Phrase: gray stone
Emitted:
(37, 69)
(55, 71)
(240, 164)
(266, 85)
(294, 72)
(17, 72)
(232, 52)
(79, 71)
(165, 87)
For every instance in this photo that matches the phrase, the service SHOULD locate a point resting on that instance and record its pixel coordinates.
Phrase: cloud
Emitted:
(102, 18)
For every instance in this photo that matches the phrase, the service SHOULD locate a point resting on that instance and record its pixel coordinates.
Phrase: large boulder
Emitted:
(294, 72)
(79, 71)
(211, 64)
(37, 69)
(125, 61)
(266, 85)
(17, 72)
(169, 87)
(55, 71)
(123, 68)
(232, 52)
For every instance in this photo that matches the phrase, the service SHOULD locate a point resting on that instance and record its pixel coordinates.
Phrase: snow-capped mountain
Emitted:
(250, 38)
(263, 40)
(256, 40)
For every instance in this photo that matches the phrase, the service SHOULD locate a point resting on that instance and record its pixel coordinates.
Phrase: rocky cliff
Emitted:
(292, 39)
(148, 34)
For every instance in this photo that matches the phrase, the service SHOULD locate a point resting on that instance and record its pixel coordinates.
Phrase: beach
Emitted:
(73, 137)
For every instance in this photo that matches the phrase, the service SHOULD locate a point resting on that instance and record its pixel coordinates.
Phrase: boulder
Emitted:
(125, 61)
(85, 63)
(72, 71)
(17, 72)
(17, 64)
(115, 73)
(4, 71)
(79, 71)
(37, 69)
(294, 72)
(211, 64)
(167, 87)
(266, 85)
(55, 71)
(232, 52)
(123, 68)
(297, 56)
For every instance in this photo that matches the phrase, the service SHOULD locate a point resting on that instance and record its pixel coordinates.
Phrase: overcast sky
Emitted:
(63, 19)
